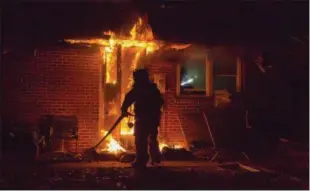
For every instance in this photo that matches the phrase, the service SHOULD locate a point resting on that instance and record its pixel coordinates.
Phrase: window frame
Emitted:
(209, 77)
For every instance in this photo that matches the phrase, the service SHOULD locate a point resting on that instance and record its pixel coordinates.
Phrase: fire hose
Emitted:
(92, 151)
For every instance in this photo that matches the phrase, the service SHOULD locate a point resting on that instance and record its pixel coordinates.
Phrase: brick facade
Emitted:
(54, 81)
(66, 81)
(178, 111)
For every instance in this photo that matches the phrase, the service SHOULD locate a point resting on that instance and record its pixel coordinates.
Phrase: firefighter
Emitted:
(147, 101)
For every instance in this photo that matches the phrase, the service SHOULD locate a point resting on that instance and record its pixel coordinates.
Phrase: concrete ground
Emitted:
(171, 175)
(286, 167)
(115, 164)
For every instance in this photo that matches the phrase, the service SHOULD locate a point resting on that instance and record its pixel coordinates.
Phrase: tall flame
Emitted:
(141, 37)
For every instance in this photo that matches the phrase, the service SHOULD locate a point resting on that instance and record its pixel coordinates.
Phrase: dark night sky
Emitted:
(232, 22)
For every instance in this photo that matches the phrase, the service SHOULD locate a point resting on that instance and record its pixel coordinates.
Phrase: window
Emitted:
(204, 73)
(193, 77)
(224, 82)
(193, 74)
(224, 73)
(227, 73)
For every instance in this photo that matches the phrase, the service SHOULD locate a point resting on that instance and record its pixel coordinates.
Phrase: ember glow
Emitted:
(113, 146)
(161, 146)
(125, 129)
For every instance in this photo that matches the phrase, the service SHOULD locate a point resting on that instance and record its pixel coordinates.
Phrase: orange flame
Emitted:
(113, 146)
(127, 131)
(162, 145)
(141, 37)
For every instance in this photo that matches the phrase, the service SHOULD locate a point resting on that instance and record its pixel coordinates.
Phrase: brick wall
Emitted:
(65, 81)
(178, 107)
(55, 81)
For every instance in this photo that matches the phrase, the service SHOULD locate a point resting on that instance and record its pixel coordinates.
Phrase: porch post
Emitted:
(119, 88)
(102, 79)
(209, 76)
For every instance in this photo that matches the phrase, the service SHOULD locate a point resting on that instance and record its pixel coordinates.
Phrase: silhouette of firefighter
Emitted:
(147, 102)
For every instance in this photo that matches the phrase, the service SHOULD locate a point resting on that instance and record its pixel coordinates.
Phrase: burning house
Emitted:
(87, 79)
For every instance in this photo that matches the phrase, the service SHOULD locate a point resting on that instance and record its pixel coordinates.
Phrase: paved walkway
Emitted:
(113, 164)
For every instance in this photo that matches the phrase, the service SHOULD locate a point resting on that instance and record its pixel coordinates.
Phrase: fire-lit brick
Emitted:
(57, 81)
(66, 81)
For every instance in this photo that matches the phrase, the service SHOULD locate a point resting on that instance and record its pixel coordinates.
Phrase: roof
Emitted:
(236, 23)
(201, 23)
